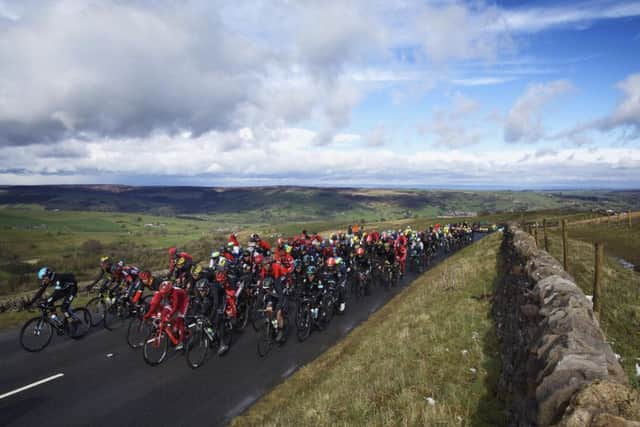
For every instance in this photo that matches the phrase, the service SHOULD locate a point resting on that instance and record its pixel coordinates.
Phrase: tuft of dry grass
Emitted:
(435, 340)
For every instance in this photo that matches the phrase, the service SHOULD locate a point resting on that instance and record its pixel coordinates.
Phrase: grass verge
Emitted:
(434, 340)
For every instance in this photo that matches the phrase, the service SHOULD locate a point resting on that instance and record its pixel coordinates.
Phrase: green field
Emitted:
(619, 240)
(435, 340)
(74, 241)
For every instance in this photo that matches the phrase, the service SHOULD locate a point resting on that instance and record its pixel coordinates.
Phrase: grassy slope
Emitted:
(411, 349)
(620, 316)
(619, 240)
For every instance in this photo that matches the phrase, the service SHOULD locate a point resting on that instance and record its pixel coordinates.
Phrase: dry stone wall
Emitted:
(552, 345)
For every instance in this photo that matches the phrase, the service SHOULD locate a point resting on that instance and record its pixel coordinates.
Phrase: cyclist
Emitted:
(203, 303)
(281, 285)
(333, 271)
(149, 280)
(174, 256)
(65, 288)
(113, 272)
(182, 272)
(177, 307)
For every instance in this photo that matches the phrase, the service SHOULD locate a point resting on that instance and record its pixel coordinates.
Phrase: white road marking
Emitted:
(27, 387)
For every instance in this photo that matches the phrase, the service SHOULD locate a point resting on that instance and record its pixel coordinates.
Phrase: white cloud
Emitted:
(627, 112)
(377, 136)
(290, 160)
(456, 125)
(524, 121)
(457, 31)
(623, 120)
(577, 16)
(482, 81)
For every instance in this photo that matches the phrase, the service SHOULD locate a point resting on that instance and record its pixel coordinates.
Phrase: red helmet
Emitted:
(165, 287)
(258, 258)
(331, 262)
(145, 276)
(172, 251)
(360, 251)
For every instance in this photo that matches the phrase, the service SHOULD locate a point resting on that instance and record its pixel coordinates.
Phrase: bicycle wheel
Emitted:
(36, 334)
(115, 316)
(197, 348)
(155, 347)
(303, 322)
(137, 331)
(328, 308)
(96, 308)
(265, 342)
(77, 330)
(257, 316)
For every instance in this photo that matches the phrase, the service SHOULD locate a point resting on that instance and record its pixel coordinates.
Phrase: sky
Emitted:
(396, 93)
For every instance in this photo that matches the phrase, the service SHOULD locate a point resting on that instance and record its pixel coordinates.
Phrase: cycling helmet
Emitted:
(297, 263)
(311, 270)
(44, 272)
(331, 262)
(230, 244)
(215, 254)
(246, 253)
(196, 270)
(288, 248)
(165, 287)
(258, 258)
(360, 251)
(173, 251)
(145, 276)
(222, 264)
(202, 285)
(180, 262)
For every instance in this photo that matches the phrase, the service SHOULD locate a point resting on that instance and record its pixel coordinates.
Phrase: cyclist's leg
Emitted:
(69, 295)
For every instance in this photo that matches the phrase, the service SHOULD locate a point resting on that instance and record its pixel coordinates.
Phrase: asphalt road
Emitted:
(104, 382)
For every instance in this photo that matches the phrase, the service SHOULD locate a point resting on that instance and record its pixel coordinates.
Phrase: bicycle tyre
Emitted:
(96, 308)
(137, 332)
(30, 326)
(115, 316)
(303, 322)
(80, 329)
(197, 348)
(265, 342)
(155, 348)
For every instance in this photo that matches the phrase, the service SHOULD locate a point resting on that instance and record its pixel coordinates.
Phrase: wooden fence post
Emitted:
(544, 235)
(597, 277)
(565, 249)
